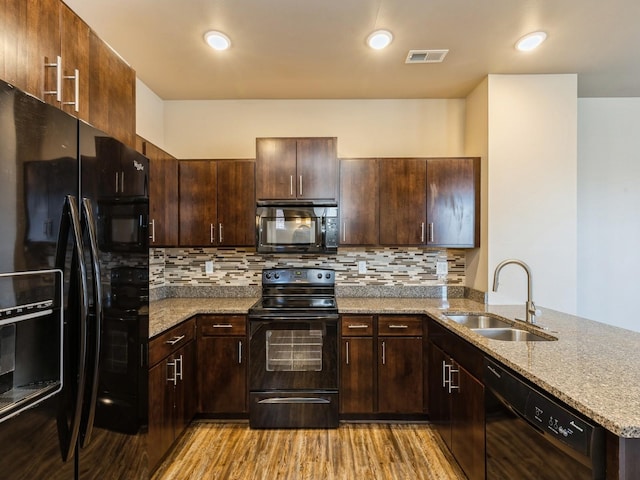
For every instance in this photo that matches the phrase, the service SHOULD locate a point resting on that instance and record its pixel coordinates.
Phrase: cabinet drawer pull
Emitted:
(175, 340)
(222, 325)
(358, 325)
(398, 326)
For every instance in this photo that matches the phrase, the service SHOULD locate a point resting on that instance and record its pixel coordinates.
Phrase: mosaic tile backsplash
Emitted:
(236, 267)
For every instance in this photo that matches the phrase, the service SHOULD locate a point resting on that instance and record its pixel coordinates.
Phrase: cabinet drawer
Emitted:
(357, 325)
(168, 342)
(399, 325)
(222, 325)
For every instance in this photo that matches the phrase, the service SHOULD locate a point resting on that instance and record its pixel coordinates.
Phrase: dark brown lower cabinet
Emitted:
(222, 364)
(400, 375)
(172, 392)
(357, 390)
(456, 399)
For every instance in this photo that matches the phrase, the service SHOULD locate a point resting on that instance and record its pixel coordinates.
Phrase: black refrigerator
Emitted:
(73, 297)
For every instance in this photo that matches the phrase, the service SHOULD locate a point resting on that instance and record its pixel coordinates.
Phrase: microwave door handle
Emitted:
(69, 425)
(96, 327)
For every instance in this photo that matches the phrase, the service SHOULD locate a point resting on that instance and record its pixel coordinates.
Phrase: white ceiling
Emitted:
(291, 49)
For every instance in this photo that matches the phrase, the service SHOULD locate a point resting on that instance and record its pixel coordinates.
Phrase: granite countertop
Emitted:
(592, 366)
(164, 314)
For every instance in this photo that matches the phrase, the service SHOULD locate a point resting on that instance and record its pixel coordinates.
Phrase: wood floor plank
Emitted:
(230, 451)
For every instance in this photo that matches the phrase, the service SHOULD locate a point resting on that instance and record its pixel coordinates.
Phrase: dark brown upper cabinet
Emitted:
(359, 201)
(453, 202)
(430, 201)
(296, 168)
(217, 203)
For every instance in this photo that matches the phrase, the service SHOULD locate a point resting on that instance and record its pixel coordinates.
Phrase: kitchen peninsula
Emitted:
(592, 367)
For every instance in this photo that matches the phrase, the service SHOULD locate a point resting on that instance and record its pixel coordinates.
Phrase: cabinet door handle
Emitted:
(222, 325)
(76, 89)
(212, 233)
(174, 340)
(445, 367)
(452, 385)
(220, 233)
(357, 325)
(422, 232)
(179, 368)
(347, 352)
(152, 237)
(344, 231)
(58, 66)
(117, 181)
(291, 185)
(301, 194)
(173, 365)
(122, 182)
(430, 231)
(240, 352)
(384, 354)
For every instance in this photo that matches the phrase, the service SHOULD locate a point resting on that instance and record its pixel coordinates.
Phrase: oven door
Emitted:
(293, 354)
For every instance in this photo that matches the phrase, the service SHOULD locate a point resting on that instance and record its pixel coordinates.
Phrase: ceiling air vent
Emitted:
(426, 56)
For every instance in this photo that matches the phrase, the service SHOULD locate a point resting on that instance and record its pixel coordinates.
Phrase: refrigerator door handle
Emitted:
(94, 325)
(69, 419)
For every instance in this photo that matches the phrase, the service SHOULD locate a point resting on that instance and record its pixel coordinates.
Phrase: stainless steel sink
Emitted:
(478, 321)
(511, 335)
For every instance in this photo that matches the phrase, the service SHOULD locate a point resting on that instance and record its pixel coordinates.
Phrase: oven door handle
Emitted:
(285, 400)
(294, 318)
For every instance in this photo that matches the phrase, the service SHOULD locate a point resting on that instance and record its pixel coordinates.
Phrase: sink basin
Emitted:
(511, 335)
(478, 321)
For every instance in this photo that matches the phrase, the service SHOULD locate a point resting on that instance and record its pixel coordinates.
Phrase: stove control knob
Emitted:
(319, 275)
(277, 276)
(328, 275)
(268, 275)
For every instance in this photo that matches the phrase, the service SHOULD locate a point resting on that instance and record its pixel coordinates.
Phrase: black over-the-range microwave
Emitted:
(294, 226)
(123, 224)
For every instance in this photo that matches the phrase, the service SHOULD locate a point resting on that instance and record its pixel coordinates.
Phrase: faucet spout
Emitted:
(530, 307)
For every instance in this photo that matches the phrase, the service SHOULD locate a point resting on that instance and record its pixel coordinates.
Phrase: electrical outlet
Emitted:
(362, 266)
(208, 267)
(442, 268)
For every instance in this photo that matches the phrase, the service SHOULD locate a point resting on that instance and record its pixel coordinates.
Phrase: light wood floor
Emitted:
(214, 450)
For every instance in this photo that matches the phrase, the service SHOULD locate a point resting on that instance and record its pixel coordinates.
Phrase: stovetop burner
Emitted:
(296, 291)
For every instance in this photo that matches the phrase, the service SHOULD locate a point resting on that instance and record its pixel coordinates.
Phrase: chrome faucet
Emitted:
(530, 307)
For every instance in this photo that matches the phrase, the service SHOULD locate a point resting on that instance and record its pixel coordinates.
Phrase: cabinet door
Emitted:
(31, 34)
(275, 168)
(186, 390)
(439, 397)
(317, 168)
(163, 197)
(236, 203)
(74, 38)
(359, 201)
(400, 379)
(453, 201)
(112, 90)
(197, 187)
(467, 424)
(161, 411)
(222, 374)
(403, 201)
(357, 375)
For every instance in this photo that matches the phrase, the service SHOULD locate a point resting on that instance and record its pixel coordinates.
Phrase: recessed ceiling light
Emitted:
(379, 39)
(217, 40)
(531, 41)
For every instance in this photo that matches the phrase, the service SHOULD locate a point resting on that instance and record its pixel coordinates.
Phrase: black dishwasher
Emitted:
(532, 436)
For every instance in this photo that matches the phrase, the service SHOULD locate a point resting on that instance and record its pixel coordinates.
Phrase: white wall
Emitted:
(149, 115)
(532, 177)
(609, 210)
(383, 128)
(476, 143)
